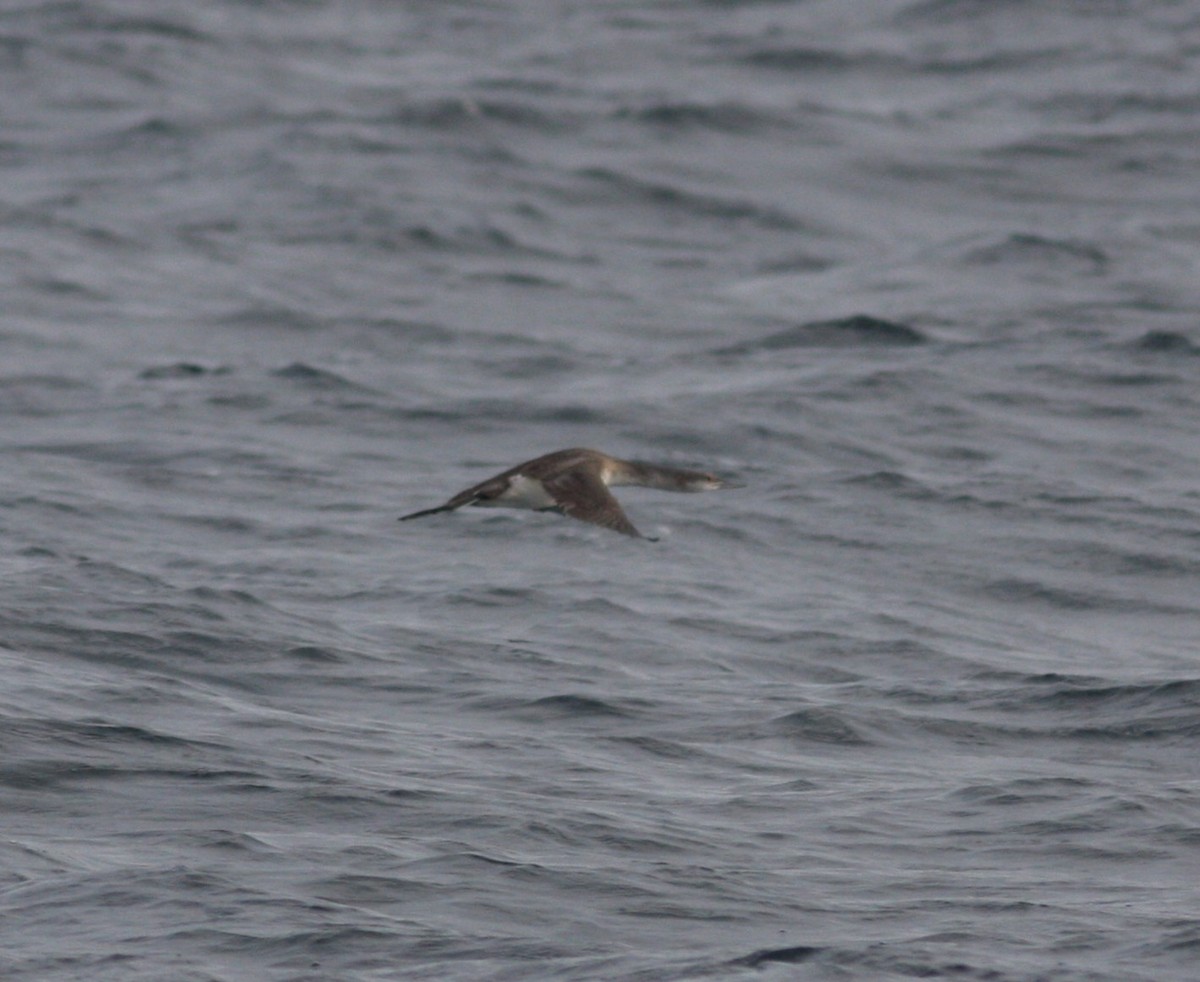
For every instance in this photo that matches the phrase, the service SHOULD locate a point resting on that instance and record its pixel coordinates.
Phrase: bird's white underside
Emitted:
(522, 493)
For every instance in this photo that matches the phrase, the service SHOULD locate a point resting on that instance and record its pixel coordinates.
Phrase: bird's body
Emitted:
(575, 483)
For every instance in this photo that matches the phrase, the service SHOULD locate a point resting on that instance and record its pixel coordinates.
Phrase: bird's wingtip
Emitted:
(422, 513)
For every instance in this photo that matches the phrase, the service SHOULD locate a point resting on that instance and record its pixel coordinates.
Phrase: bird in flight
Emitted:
(575, 483)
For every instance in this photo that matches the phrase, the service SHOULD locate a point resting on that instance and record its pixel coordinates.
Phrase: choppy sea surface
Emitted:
(921, 700)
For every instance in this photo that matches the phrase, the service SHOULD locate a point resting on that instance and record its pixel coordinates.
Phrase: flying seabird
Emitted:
(575, 483)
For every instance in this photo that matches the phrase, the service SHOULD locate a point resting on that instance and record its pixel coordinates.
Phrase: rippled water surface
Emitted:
(921, 700)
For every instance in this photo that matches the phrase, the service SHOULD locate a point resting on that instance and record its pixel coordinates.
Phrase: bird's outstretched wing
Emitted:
(491, 488)
(582, 495)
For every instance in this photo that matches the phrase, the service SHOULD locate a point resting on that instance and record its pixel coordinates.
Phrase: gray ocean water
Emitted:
(921, 700)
